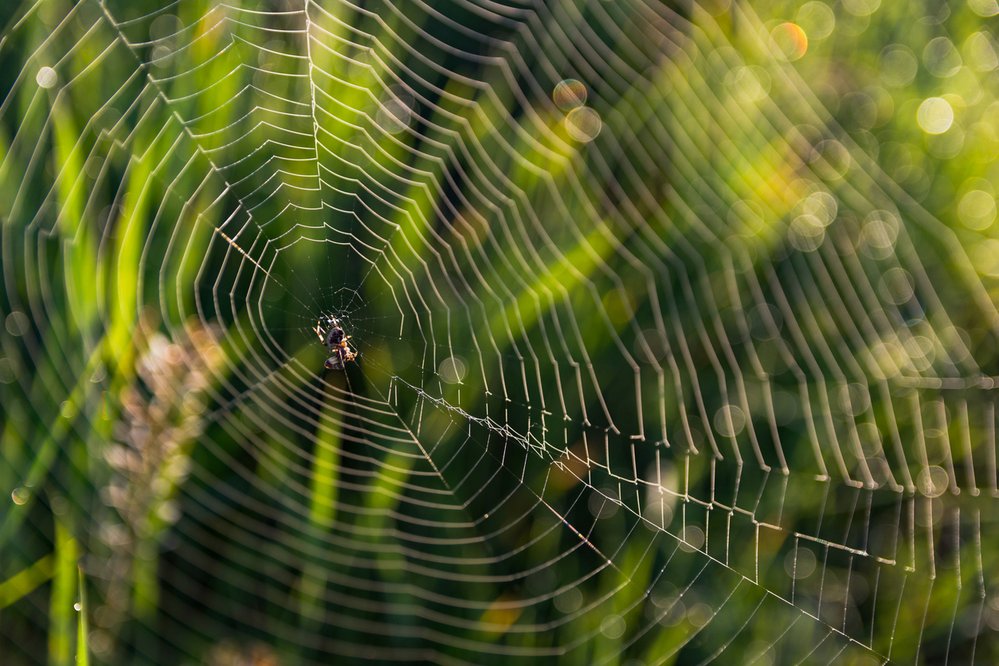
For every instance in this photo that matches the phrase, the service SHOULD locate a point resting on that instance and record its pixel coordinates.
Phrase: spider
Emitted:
(331, 334)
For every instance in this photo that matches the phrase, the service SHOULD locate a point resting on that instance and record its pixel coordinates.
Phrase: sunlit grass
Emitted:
(149, 209)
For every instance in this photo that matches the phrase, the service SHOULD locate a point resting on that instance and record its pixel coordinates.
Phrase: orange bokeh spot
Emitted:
(791, 39)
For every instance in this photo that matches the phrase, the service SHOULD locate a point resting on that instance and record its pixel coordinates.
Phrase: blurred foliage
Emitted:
(186, 187)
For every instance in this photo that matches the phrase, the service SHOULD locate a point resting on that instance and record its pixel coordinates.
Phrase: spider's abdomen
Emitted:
(334, 337)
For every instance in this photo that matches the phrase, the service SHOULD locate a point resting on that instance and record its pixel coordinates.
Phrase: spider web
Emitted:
(656, 363)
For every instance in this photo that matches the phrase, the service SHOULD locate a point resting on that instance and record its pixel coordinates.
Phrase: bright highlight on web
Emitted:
(484, 332)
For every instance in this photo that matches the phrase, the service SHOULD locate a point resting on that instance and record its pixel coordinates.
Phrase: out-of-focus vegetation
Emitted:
(677, 325)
